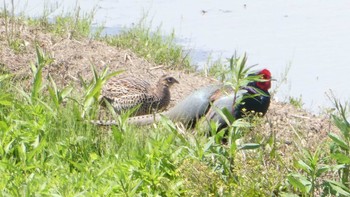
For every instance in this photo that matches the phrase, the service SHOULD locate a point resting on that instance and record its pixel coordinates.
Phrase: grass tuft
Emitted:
(152, 45)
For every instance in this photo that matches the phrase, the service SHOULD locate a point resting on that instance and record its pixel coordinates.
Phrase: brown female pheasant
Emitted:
(129, 92)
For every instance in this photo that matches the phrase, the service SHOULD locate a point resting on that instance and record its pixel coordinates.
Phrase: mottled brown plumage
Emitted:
(125, 93)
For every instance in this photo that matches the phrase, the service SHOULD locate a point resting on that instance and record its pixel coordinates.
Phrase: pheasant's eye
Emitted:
(266, 77)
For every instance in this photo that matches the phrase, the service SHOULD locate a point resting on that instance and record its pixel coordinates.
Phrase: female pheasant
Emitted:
(128, 92)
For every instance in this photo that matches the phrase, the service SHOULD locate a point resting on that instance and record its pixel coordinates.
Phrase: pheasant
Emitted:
(128, 92)
(254, 97)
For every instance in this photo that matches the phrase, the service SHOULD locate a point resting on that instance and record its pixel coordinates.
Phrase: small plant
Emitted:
(73, 25)
(312, 166)
(232, 137)
(58, 96)
(340, 149)
(11, 29)
(4, 97)
(41, 62)
(296, 102)
(93, 89)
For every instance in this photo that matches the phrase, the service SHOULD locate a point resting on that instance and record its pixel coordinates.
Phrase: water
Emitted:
(312, 36)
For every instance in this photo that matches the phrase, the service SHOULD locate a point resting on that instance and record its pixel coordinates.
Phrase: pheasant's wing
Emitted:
(220, 104)
(193, 106)
(119, 87)
(125, 93)
(228, 102)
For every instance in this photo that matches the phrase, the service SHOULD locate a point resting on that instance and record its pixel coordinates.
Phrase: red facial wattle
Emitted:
(264, 85)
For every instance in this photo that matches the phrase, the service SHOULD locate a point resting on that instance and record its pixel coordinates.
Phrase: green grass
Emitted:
(296, 102)
(152, 45)
(73, 25)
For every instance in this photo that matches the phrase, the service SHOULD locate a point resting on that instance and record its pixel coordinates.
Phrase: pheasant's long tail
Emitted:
(104, 122)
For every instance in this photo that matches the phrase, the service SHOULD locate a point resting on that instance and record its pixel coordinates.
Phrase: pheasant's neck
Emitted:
(163, 95)
(252, 89)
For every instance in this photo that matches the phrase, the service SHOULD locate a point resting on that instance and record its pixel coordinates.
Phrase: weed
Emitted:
(312, 165)
(296, 102)
(11, 29)
(42, 61)
(93, 89)
(213, 67)
(340, 149)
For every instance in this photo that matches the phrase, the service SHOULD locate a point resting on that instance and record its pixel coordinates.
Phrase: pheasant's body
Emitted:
(249, 100)
(128, 92)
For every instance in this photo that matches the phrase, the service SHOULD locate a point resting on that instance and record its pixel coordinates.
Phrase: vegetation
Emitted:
(296, 102)
(152, 45)
(48, 147)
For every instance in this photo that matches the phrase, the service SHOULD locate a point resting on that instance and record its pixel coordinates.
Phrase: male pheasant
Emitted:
(254, 97)
(128, 92)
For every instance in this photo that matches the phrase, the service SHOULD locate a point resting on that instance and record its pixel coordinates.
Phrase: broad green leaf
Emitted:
(3, 126)
(298, 183)
(241, 123)
(322, 170)
(341, 158)
(338, 167)
(104, 170)
(36, 142)
(224, 113)
(208, 145)
(37, 82)
(340, 142)
(78, 166)
(9, 146)
(110, 75)
(118, 137)
(339, 187)
(53, 83)
(38, 146)
(66, 91)
(5, 102)
(53, 96)
(282, 194)
(301, 164)
(249, 146)
(88, 101)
